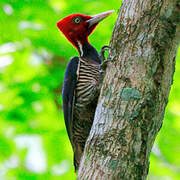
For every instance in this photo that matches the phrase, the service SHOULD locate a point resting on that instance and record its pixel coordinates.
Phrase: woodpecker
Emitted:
(82, 79)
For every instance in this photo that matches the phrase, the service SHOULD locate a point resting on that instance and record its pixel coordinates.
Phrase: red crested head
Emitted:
(77, 27)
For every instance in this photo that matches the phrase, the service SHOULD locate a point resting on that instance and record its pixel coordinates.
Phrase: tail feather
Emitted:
(77, 157)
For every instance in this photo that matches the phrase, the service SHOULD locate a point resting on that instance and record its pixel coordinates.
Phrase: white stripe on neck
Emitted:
(80, 48)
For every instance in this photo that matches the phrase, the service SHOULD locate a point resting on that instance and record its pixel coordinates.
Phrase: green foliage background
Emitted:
(33, 56)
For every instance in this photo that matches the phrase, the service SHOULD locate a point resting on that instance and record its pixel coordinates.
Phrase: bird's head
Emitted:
(77, 27)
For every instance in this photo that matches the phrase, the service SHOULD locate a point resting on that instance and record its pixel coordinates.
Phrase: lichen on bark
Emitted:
(135, 93)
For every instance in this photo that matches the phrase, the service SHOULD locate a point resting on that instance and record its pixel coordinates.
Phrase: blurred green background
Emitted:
(33, 56)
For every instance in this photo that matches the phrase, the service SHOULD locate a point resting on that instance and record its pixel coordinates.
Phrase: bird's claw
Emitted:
(103, 49)
(103, 64)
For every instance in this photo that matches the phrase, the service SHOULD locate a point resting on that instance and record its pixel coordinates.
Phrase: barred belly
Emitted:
(86, 96)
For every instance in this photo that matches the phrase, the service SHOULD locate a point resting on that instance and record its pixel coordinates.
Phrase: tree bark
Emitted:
(135, 91)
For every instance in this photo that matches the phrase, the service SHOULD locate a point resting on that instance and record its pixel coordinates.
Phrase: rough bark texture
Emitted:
(135, 92)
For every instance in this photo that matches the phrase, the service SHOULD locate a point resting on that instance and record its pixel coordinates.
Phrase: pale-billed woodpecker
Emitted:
(82, 79)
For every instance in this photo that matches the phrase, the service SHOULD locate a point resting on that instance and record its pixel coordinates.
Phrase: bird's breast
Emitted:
(87, 83)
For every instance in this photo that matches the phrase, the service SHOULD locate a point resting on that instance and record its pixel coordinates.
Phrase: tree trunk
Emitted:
(135, 91)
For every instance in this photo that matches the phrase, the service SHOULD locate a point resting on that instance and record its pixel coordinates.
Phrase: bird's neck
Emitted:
(86, 50)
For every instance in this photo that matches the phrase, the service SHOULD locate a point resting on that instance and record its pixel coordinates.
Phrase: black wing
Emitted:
(68, 93)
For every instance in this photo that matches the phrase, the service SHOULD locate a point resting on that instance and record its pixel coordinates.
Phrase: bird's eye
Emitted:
(77, 20)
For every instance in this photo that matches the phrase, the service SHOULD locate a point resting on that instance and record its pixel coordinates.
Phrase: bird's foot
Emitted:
(104, 61)
(103, 65)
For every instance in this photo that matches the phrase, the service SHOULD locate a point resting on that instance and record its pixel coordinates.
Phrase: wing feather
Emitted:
(69, 85)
